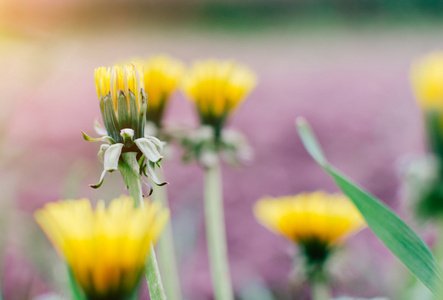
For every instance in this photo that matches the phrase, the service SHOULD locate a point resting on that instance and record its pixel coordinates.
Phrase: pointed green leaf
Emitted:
(311, 144)
(149, 149)
(397, 236)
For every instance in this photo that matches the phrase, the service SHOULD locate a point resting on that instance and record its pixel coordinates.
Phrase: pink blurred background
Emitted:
(347, 77)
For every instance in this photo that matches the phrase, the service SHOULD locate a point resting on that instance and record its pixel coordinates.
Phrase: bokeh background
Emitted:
(342, 64)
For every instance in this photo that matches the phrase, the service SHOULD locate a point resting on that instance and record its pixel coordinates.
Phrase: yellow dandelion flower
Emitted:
(123, 101)
(217, 88)
(162, 75)
(427, 81)
(316, 221)
(106, 247)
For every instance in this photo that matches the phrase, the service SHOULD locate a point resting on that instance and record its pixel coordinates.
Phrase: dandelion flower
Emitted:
(315, 221)
(217, 88)
(105, 248)
(427, 81)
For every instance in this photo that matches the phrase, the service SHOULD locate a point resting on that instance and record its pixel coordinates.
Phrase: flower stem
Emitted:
(130, 172)
(167, 256)
(319, 289)
(215, 233)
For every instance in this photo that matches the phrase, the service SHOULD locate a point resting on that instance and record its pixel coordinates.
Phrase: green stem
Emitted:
(319, 289)
(215, 233)
(167, 256)
(130, 172)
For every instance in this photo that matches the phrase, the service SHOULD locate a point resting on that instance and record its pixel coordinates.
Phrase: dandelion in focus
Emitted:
(104, 248)
(217, 88)
(317, 222)
(123, 104)
(123, 100)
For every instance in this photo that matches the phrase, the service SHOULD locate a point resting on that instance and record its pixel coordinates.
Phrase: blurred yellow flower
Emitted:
(122, 99)
(162, 75)
(217, 88)
(317, 217)
(427, 81)
(106, 247)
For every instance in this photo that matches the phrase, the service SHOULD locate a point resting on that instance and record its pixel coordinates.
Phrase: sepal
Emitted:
(99, 129)
(202, 145)
(102, 150)
(111, 158)
(105, 138)
(151, 173)
(128, 136)
(149, 149)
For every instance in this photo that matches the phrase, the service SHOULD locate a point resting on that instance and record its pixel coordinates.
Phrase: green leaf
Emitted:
(397, 236)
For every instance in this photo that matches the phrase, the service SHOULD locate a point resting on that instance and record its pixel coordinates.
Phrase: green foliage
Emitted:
(397, 236)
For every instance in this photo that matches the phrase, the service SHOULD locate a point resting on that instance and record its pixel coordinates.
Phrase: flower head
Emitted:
(162, 75)
(427, 81)
(316, 221)
(105, 248)
(123, 101)
(217, 88)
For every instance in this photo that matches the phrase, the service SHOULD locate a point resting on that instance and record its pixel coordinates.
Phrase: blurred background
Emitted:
(342, 64)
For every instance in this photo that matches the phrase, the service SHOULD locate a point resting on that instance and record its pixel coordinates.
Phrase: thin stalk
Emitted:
(319, 289)
(215, 234)
(1, 292)
(166, 249)
(130, 170)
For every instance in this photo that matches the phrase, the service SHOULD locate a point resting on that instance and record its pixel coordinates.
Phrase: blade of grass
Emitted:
(397, 236)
